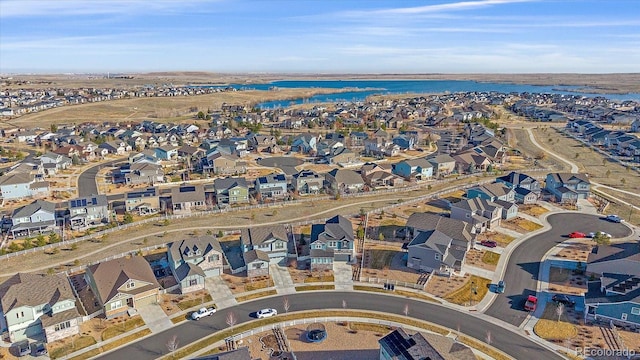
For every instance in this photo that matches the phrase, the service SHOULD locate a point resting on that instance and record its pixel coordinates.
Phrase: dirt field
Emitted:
(576, 249)
(520, 225)
(475, 258)
(566, 282)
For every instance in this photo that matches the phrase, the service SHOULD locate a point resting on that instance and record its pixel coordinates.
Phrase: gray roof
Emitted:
(620, 258)
(187, 193)
(253, 255)
(188, 269)
(31, 290)
(88, 201)
(432, 239)
(424, 346)
(516, 178)
(440, 159)
(185, 249)
(476, 204)
(493, 189)
(229, 182)
(29, 209)
(346, 176)
(421, 162)
(337, 228)
(14, 178)
(566, 177)
(258, 235)
(456, 229)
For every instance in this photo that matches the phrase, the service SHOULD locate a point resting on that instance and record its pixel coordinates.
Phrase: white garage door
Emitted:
(147, 300)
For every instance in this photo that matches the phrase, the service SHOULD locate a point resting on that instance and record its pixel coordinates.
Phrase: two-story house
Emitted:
(231, 191)
(331, 242)
(35, 305)
(305, 143)
(144, 173)
(186, 199)
(443, 165)
(480, 213)
(307, 182)
(527, 189)
(272, 240)
(438, 243)
(193, 260)
(122, 284)
(344, 181)
(223, 164)
(567, 187)
(36, 218)
(492, 192)
(272, 186)
(143, 201)
(86, 211)
(166, 152)
(19, 185)
(414, 169)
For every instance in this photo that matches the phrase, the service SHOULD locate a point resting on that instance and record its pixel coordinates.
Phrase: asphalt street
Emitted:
(513, 344)
(87, 185)
(521, 275)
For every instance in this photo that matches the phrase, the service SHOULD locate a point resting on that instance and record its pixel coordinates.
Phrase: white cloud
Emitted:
(438, 8)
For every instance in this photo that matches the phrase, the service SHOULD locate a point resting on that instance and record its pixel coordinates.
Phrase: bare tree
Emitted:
(406, 310)
(488, 339)
(559, 310)
(285, 304)
(231, 319)
(344, 304)
(173, 344)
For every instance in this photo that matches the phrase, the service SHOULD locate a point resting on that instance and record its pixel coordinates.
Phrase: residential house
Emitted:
(256, 262)
(398, 345)
(143, 173)
(60, 162)
(305, 143)
(383, 179)
(438, 243)
(357, 138)
(405, 142)
(492, 192)
(36, 218)
(166, 152)
(443, 165)
(526, 196)
(331, 242)
(340, 155)
(19, 185)
(272, 186)
(307, 182)
(261, 142)
(86, 211)
(470, 162)
(516, 180)
(344, 181)
(567, 187)
(122, 284)
(193, 260)
(509, 209)
(143, 201)
(272, 240)
(223, 164)
(479, 212)
(35, 305)
(231, 191)
(414, 169)
(116, 147)
(615, 294)
(186, 199)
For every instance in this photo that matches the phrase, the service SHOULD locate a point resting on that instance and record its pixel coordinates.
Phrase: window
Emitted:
(62, 326)
(624, 316)
(193, 282)
(20, 314)
(131, 285)
(116, 305)
(438, 257)
(333, 244)
(214, 258)
(635, 311)
(279, 245)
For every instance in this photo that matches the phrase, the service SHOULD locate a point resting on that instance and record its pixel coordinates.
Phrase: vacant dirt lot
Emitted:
(566, 282)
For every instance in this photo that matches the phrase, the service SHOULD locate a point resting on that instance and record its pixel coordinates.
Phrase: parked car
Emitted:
(22, 348)
(38, 349)
(203, 312)
(489, 243)
(614, 218)
(563, 299)
(500, 287)
(265, 313)
(577, 235)
(531, 303)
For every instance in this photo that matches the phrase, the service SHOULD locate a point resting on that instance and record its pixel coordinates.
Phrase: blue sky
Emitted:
(321, 36)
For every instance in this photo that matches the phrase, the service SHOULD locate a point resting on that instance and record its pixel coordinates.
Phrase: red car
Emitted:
(531, 303)
(577, 234)
(489, 243)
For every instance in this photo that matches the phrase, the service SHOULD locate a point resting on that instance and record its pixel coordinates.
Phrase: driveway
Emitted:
(155, 318)
(521, 275)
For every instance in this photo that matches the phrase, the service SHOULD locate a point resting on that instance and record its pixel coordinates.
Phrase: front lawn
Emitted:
(464, 295)
(490, 258)
(549, 328)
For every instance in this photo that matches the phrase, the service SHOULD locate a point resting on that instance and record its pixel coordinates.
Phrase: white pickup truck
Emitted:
(203, 312)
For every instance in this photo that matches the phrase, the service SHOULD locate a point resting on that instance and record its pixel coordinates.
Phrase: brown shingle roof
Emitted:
(31, 289)
(258, 235)
(110, 275)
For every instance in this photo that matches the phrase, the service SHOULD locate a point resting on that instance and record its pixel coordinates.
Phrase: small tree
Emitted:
(209, 232)
(74, 246)
(172, 344)
(231, 319)
(220, 234)
(51, 271)
(40, 241)
(285, 304)
(604, 161)
(145, 241)
(381, 237)
(405, 311)
(559, 310)
(127, 218)
(488, 338)
(165, 222)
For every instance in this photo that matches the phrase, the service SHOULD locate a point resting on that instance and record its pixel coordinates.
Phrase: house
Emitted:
(307, 182)
(615, 294)
(166, 152)
(331, 242)
(526, 196)
(344, 181)
(405, 142)
(272, 186)
(509, 209)
(143, 173)
(567, 187)
(187, 198)
(479, 212)
(61, 162)
(122, 284)
(443, 165)
(231, 191)
(438, 243)
(272, 240)
(417, 169)
(398, 345)
(471, 162)
(35, 305)
(340, 155)
(257, 263)
(516, 180)
(193, 260)
(116, 147)
(305, 143)
(492, 192)
(143, 201)
(36, 218)
(19, 185)
(86, 211)
(382, 179)
(223, 164)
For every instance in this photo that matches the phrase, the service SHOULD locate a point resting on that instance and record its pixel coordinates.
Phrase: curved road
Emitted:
(515, 345)
(521, 274)
(87, 184)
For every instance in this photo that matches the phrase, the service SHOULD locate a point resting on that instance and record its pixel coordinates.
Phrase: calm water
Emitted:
(364, 88)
